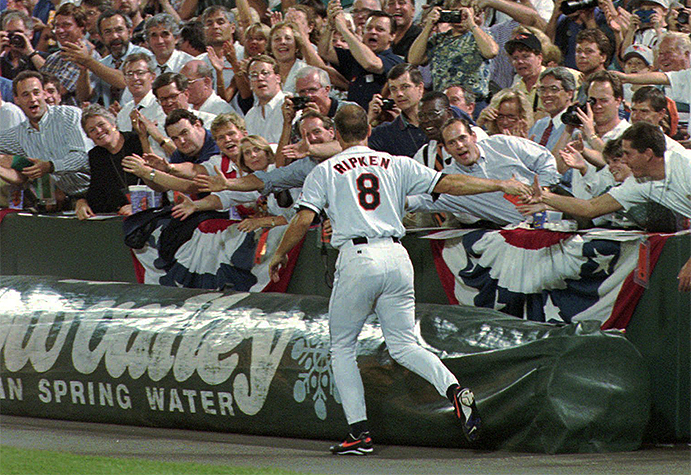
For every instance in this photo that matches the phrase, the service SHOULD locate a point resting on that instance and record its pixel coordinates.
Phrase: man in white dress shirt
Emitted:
(161, 32)
(265, 118)
(200, 80)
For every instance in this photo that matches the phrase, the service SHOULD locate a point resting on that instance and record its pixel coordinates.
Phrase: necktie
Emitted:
(546, 133)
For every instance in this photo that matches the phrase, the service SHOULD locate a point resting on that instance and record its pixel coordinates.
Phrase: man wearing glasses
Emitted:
(555, 90)
(265, 118)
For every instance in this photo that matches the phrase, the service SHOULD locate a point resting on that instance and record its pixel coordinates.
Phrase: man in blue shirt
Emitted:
(402, 136)
(368, 61)
(194, 143)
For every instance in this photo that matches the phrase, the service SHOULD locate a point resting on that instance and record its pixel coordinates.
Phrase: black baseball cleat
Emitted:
(466, 411)
(362, 445)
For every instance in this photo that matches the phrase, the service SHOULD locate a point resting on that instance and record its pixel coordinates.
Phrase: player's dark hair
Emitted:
(400, 69)
(653, 96)
(178, 114)
(644, 136)
(351, 123)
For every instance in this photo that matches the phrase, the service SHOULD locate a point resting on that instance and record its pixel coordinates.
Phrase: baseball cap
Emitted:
(527, 40)
(642, 51)
(635, 3)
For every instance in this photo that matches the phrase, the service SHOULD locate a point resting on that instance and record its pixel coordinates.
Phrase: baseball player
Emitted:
(364, 193)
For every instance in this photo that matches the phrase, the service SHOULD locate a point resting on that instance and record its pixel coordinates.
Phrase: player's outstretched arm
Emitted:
(470, 185)
(296, 231)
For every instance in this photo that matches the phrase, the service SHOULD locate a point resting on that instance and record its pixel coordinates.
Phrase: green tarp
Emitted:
(258, 364)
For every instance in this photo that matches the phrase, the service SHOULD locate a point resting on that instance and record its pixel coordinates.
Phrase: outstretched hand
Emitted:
(210, 183)
(277, 262)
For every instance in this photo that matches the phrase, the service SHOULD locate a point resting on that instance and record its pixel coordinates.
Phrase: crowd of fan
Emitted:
(233, 107)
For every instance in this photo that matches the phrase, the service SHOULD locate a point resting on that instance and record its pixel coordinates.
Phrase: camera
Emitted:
(450, 16)
(646, 16)
(683, 18)
(570, 117)
(387, 104)
(569, 7)
(17, 40)
(299, 102)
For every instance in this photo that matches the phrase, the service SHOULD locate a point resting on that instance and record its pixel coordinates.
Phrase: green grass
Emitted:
(15, 461)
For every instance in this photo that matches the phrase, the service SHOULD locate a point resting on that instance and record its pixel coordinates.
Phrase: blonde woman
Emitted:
(508, 113)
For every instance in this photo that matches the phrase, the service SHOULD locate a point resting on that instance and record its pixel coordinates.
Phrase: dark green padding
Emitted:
(258, 364)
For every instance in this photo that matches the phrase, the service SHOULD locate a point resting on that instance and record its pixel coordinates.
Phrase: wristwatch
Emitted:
(152, 174)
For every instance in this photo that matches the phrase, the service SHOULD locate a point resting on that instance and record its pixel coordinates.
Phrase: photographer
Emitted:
(17, 52)
(648, 23)
(459, 56)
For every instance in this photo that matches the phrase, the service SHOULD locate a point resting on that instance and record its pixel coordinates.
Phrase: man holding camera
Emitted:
(402, 136)
(15, 43)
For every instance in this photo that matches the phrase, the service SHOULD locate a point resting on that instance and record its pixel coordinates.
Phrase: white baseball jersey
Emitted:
(363, 192)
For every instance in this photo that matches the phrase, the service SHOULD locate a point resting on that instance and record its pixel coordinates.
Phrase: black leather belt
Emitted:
(363, 240)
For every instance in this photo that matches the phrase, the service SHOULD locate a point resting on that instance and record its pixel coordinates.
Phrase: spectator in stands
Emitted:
(200, 88)
(599, 123)
(563, 30)
(508, 113)
(636, 59)
(115, 29)
(52, 89)
(288, 46)
(402, 136)
(462, 98)
(367, 62)
(313, 83)
(403, 12)
(108, 187)
(650, 104)
(661, 177)
(497, 157)
(92, 11)
(459, 56)
(315, 128)
(161, 32)
(139, 70)
(361, 11)
(70, 26)
(556, 90)
(193, 142)
(18, 55)
(648, 22)
(434, 111)
(171, 91)
(266, 117)
(525, 51)
(192, 39)
(219, 28)
(593, 53)
(50, 137)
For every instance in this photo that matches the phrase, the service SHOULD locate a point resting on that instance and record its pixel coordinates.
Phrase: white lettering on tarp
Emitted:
(17, 353)
(83, 394)
(15, 389)
(153, 340)
(250, 396)
(212, 402)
